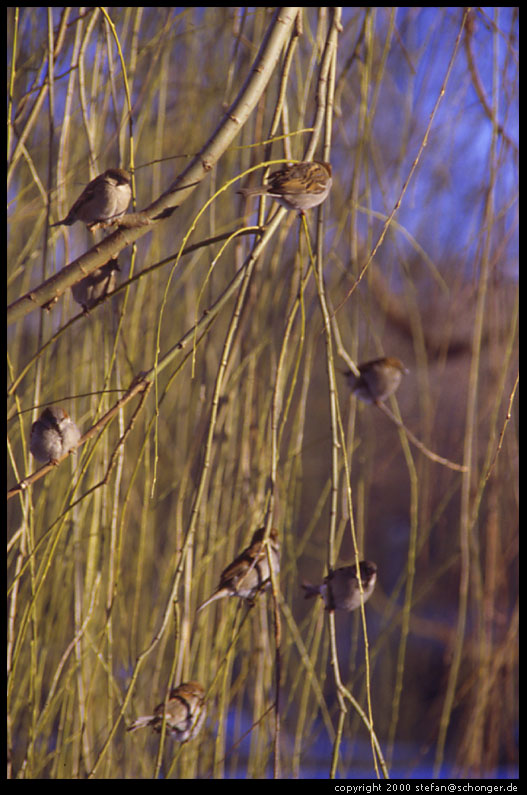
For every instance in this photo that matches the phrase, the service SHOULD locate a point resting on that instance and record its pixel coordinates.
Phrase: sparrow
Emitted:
(53, 435)
(249, 572)
(184, 714)
(340, 589)
(378, 379)
(297, 187)
(102, 201)
(97, 284)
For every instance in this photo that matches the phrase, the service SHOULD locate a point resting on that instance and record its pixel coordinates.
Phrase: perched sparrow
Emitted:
(249, 572)
(184, 716)
(297, 187)
(53, 435)
(378, 379)
(102, 201)
(340, 589)
(100, 282)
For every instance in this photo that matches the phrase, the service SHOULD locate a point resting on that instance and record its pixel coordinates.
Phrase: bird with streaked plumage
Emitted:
(298, 187)
(249, 573)
(185, 713)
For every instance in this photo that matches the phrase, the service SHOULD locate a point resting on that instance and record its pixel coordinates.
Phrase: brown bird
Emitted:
(185, 713)
(93, 287)
(340, 589)
(297, 187)
(53, 435)
(249, 572)
(102, 201)
(378, 379)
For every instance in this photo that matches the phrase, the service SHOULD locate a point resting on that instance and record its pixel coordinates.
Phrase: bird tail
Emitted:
(217, 595)
(140, 723)
(246, 192)
(310, 590)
